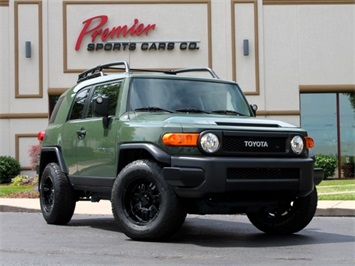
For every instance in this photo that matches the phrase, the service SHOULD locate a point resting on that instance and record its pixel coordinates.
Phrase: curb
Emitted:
(6, 208)
(335, 212)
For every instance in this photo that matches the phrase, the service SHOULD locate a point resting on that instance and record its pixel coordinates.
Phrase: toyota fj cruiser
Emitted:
(161, 145)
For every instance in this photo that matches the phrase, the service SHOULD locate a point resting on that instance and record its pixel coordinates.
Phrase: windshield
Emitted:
(177, 95)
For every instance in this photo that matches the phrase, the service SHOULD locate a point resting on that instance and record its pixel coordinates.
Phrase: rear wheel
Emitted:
(286, 218)
(145, 206)
(57, 197)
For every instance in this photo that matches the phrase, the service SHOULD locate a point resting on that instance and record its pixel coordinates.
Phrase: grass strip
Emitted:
(8, 190)
(336, 189)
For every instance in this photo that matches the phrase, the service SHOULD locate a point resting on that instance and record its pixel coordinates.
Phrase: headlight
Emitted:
(297, 144)
(209, 142)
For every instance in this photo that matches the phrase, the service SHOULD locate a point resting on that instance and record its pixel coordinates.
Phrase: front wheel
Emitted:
(57, 197)
(144, 205)
(288, 217)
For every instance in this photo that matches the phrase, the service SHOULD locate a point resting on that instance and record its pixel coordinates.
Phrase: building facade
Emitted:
(295, 59)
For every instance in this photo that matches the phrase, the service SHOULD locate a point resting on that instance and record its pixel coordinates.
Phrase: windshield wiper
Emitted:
(153, 109)
(227, 112)
(191, 110)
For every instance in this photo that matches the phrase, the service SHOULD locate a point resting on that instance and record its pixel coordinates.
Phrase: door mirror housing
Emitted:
(101, 108)
(254, 107)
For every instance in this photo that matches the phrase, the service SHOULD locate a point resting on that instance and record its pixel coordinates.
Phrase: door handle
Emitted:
(81, 133)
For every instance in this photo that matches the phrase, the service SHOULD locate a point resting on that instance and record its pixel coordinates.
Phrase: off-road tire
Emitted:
(57, 196)
(287, 218)
(144, 205)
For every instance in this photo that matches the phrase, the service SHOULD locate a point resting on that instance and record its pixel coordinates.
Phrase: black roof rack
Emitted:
(98, 70)
(201, 69)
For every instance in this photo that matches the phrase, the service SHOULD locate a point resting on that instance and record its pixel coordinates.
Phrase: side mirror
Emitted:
(101, 108)
(254, 108)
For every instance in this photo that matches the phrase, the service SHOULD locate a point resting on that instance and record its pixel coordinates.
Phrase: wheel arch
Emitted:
(51, 155)
(129, 152)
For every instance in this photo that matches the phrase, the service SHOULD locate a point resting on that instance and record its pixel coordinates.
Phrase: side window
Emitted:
(55, 110)
(106, 90)
(79, 104)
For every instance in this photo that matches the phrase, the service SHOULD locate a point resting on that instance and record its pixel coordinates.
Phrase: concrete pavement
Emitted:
(325, 207)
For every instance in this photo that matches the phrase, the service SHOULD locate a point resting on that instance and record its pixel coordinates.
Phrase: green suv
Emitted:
(161, 145)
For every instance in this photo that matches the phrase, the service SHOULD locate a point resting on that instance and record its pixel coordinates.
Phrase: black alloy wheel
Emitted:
(142, 201)
(57, 196)
(288, 217)
(144, 205)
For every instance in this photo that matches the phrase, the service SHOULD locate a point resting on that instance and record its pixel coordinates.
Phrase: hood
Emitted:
(229, 121)
(211, 120)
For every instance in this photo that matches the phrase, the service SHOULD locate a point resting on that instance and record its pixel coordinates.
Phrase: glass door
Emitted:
(329, 119)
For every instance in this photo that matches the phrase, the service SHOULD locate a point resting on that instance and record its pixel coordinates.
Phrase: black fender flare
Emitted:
(49, 155)
(157, 153)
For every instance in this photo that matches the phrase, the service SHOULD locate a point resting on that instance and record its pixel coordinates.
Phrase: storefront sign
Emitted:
(102, 38)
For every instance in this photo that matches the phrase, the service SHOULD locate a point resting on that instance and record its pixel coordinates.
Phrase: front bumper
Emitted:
(200, 177)
(318, 176)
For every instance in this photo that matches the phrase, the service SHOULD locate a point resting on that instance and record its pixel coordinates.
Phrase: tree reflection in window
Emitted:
(106, 90)
(79, 104)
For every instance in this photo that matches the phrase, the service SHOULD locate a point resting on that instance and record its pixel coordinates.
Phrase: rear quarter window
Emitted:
(55, 110)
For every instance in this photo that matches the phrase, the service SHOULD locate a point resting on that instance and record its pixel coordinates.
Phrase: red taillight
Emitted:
(40, 135)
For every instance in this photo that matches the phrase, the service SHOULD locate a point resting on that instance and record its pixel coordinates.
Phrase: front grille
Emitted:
(254, 144)
(262, 173)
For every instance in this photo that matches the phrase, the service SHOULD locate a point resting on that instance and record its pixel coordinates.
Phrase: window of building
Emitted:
(53, 97)
(329, 119)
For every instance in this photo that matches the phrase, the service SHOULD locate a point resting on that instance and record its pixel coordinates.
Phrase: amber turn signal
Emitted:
(309, 142)
(180, 139)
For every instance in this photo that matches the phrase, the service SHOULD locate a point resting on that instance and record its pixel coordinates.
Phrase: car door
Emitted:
(96, 146)
(69, 140)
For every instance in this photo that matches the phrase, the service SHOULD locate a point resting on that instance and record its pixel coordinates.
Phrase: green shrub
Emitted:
(9, 168)
(328, 163)
(20, 180)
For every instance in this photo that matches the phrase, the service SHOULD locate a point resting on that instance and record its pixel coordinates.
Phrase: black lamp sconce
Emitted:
(246, 47)
(28, 49)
